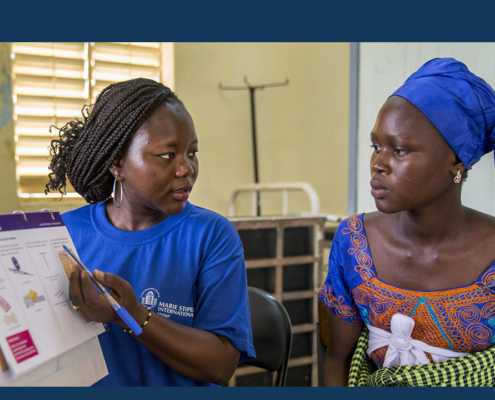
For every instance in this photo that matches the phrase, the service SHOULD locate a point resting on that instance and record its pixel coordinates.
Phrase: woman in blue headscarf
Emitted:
(419, 274)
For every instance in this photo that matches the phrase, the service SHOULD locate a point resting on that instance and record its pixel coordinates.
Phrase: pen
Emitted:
(121, 311)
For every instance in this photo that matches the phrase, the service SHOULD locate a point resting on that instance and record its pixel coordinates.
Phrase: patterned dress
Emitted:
(460, 319)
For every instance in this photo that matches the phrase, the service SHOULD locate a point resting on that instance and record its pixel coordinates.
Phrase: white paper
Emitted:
(81, 366)
(37, 322)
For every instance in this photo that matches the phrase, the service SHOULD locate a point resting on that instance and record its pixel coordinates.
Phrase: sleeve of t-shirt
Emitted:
(335, 292)
(222, 303)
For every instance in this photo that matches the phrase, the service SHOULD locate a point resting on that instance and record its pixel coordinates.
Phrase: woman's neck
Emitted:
(432, 223)
(131, 219)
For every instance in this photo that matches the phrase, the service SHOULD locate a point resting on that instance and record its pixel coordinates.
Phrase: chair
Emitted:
(272, 333)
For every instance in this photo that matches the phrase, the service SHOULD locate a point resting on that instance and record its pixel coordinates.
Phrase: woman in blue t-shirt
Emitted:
(177, 269)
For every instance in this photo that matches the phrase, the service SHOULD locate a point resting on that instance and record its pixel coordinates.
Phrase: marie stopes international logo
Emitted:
(150, 297)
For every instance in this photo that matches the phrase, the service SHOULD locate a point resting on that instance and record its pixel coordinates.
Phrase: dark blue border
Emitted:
(231, 21)
(242, 393)
(256, 20)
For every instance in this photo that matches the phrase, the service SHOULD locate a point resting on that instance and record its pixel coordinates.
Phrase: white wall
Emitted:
(383, 67)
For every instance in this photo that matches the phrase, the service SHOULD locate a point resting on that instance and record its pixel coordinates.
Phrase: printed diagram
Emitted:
(60, 295)
(66, 262)
(4, 304)
(46, 262)
(10, 319)
(32, 298)
(37, 322)
(17, 269)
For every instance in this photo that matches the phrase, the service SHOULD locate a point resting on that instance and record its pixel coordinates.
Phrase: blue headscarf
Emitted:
(458, 103)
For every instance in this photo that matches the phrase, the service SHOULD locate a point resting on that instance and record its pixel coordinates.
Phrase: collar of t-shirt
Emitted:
(116, 235)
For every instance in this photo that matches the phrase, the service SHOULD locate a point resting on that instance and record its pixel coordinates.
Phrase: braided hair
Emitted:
(85, 150)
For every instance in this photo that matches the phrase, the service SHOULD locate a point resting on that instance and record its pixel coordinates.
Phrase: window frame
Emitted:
(93, 56)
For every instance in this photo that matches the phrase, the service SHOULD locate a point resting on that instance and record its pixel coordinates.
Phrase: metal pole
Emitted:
(253, 126)
(255, 150)
(252, 90)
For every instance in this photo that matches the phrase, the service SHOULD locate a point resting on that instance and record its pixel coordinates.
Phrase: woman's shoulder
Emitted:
(377, 219)
(78, 215)
(348, 230)
(481, 227)
(350, 260)
(79, 224)
(215, 228)
(481, 219)
(377, 224)
(362, 223)
(212, 218)
(220, 239)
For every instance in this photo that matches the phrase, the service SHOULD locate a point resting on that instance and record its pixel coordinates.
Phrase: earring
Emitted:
(115, 172)
(458, 177)
(114, 194)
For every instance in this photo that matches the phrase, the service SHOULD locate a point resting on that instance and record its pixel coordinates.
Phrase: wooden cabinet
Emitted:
(284, 257)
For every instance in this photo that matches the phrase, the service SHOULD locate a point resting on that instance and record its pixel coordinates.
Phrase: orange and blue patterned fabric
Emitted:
(460, 319)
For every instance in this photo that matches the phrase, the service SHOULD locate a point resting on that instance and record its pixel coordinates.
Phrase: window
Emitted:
(51, 84)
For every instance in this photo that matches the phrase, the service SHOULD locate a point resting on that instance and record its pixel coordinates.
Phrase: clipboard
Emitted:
(38, 327)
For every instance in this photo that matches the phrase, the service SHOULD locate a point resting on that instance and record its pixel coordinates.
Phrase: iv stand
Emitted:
(252, 89)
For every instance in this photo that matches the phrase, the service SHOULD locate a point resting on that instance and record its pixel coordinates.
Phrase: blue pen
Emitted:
(126, 317)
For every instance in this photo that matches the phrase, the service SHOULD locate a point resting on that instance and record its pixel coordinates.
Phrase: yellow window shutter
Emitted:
(52, 82)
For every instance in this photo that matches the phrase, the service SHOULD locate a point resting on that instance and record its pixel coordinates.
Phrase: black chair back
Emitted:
(272, 333)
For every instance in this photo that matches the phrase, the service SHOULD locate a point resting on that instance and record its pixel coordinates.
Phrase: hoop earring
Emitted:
(115, 195)
(458, 177)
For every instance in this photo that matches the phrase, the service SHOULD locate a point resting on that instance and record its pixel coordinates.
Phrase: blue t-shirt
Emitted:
(189, 268)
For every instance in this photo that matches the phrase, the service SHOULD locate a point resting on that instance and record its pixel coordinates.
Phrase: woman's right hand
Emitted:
(94, 306)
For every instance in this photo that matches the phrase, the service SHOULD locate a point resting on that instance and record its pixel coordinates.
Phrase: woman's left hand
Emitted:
(95, 307)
